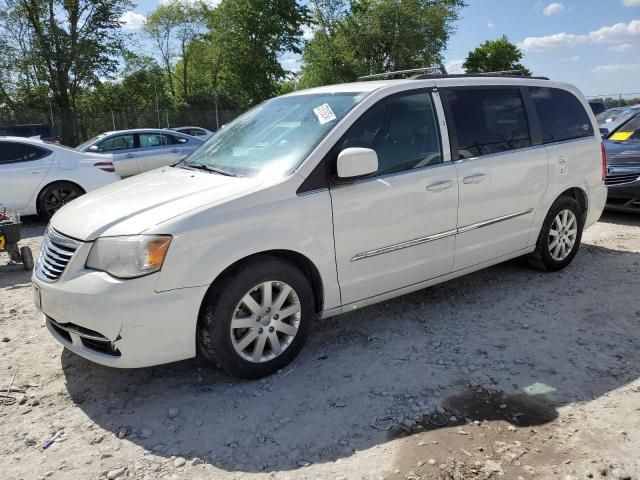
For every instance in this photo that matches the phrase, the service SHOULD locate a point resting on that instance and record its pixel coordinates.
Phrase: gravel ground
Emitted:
(505, 373)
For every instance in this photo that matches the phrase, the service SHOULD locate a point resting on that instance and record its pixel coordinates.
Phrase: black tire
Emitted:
(55, 196)
(542, 258)
(214, 333)
(27, 258)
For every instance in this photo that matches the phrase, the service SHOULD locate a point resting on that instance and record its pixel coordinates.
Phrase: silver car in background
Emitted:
(136, 151)
(199, 132)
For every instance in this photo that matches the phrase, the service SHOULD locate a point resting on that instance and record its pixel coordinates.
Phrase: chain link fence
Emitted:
(86, 124)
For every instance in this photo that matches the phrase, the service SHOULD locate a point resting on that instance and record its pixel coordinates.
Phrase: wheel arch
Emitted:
(295, 258)
(53, 182)
(580, 196)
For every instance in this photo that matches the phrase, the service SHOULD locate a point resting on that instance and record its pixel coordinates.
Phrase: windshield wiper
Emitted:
(207, 168)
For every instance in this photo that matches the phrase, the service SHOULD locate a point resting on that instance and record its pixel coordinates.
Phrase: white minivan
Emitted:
(317, 203)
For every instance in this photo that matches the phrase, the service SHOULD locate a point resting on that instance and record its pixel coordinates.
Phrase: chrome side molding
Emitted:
(438, 236)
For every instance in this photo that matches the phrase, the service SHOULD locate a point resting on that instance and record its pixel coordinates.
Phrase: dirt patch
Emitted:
(560, 350)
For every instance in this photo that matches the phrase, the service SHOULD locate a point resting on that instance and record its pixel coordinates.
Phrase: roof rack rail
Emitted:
(427, 70)
(499, 73)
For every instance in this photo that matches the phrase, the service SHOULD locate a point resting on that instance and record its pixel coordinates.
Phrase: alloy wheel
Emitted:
(57, 198)
(265, 321)
(562, 235)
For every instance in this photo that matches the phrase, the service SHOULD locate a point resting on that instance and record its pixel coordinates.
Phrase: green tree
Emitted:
(376, 36)
(172, 27)
(494, 56)
(245, 41)
(68, 45)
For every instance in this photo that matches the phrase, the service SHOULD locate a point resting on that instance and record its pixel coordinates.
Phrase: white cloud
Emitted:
(618, 67)
(291, 62)
(307, 32)
(208, 3)
(131, 20)
(623, 47)
(631, 3)
(491, 25)
(454, 66)
(575, 58)
(606, 34)
(553, 9)
(557, 40)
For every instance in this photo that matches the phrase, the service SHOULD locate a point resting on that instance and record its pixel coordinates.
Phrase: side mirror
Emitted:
(604, 131)
(357, 162)
(93, 148)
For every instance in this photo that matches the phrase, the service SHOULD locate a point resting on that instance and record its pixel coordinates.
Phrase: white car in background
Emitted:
(38, 177)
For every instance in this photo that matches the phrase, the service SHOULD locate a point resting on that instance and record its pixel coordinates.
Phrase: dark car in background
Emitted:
(623, 166)
(43, 131)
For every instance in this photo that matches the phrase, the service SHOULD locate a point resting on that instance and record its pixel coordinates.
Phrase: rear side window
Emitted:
(11, 152)
(488, 120)
(155, 140)
(562, 116)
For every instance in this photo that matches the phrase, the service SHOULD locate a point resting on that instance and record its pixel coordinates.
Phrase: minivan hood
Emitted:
(138, 203)
(621, 153)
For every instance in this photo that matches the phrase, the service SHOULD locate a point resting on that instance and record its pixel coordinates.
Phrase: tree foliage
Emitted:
(374, 36)
(62, 47)
(494, 56)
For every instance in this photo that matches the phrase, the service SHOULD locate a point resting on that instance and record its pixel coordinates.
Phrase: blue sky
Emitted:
(592, 44)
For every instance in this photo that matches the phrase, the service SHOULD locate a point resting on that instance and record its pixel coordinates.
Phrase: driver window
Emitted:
(403, 131)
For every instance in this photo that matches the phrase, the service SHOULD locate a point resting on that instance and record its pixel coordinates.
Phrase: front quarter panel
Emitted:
(208, 241)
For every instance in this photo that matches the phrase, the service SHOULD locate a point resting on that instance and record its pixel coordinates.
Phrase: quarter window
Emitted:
(488, 120)
(119, 142)
(562, 116)
(403, 131)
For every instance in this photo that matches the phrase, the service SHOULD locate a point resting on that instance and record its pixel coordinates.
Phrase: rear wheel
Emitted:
(55, 196)
(257, 318)
(560, 236)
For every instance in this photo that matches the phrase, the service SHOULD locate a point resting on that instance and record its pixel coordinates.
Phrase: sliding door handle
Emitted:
(475, 178)
(439, 186)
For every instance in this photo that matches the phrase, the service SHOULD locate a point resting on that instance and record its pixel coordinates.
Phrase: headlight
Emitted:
(129, 256)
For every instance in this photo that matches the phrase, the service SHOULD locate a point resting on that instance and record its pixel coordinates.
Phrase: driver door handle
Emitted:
(439, 186)
(475, 178)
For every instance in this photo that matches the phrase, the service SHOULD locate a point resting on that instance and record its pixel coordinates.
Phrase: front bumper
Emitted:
(119, 323)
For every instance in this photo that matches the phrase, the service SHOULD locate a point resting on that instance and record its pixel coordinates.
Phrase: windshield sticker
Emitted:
(324, 113)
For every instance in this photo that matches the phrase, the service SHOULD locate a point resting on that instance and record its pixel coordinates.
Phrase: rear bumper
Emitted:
(596, 202)
(625, 196)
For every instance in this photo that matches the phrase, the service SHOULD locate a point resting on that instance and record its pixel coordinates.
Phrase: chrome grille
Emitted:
(56, 251)
(619, 179)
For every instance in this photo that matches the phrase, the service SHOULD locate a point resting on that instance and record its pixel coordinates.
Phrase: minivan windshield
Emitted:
(272, 139)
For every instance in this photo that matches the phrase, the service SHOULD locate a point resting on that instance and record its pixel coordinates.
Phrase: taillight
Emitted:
(604, 161)
(105, 166)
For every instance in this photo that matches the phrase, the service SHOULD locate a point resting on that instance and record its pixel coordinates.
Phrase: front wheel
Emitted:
(257, 318)
(560, 236)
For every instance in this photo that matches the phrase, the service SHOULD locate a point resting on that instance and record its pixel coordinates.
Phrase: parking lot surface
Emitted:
(505, 373)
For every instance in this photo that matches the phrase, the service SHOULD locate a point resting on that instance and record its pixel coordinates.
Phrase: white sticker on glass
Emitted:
(324, 113)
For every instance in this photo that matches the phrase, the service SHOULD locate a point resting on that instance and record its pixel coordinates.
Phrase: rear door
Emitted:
(502, 170)
(22, 169)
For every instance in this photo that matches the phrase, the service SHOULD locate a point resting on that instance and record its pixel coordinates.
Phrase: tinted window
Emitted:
(488, 120)
(562, 116)
(155, 140)
(402, 130)
(119, 142)
(17, 152)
